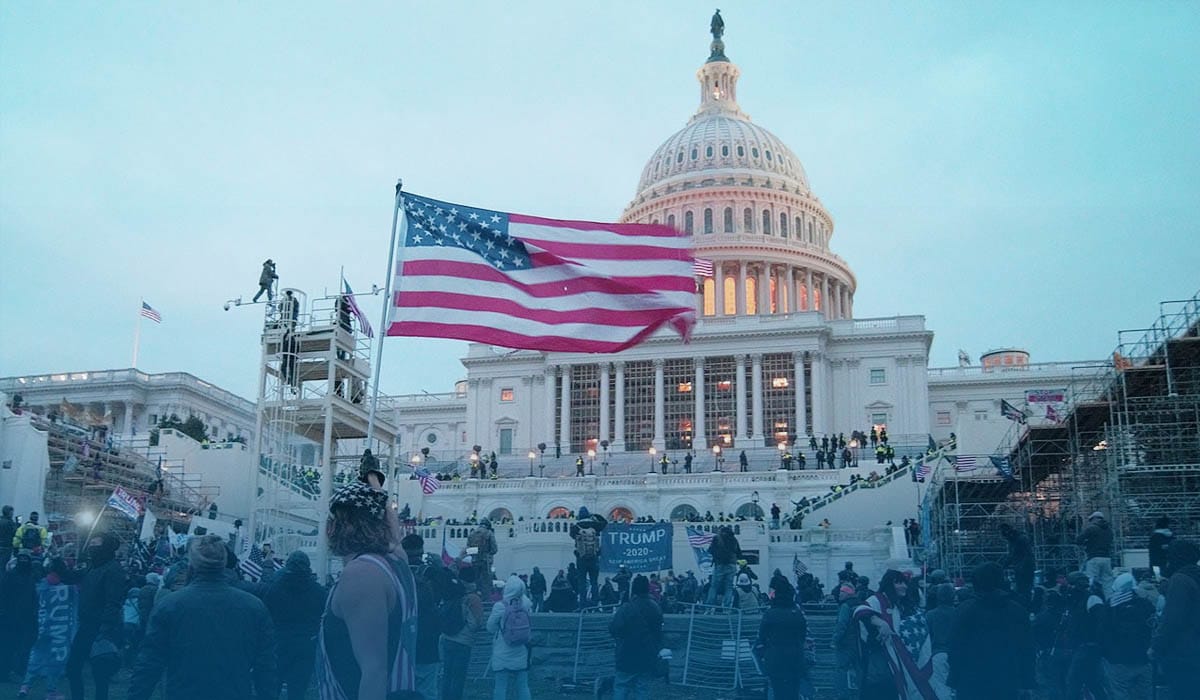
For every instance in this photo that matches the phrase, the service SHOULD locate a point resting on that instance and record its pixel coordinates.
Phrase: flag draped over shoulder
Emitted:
(538, 284)
(908, 650)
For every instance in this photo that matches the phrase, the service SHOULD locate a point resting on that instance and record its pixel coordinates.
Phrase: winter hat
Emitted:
(357, 496)
(154, 579)
(298, 563)
(206, 554)
(845, 592)
(640, 585)
(584, 513)
(743, 580)
(1096, 516)
(987, 577)
(1122, 589)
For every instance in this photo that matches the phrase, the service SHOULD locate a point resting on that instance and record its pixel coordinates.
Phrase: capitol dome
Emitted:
(744, 197)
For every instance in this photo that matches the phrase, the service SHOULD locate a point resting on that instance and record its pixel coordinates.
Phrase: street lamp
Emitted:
(474, 465)
(781, 447)
(716, 458)
(591, 463)
(652, 453)
(604, 444)
(532, 456)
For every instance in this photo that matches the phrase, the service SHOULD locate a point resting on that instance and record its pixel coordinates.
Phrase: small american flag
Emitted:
(798, 566)
(251, 566)
(702, 267)
(1011, 412)
(922, 469)
(149, 312)
(964, 463)
(428, 483)
(1052, 415)
(363, 324)
(699, 538)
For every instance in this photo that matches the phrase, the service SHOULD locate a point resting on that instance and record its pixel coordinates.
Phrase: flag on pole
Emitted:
(428, 483)
(702, 267)
(699, 541)
(1052, 415)
(363, 324)
(923, 469)
(538, 284)
(798, 566)
(251, 566)
(451, 551)
(1003, 466)
(149, 312)
(124, 502)
(964, 463)
(1011, 412)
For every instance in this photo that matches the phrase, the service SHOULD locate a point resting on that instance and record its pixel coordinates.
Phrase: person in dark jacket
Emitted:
(428, 657)
(213, 640)
(1126, 638)
(266, 279)
(725, 552)
(1020, 559)
(295, 601)
(537, 589)
(1079, 642)
(1177, 641)
(637, 629)
(587, 554)
(101, 598)
(18, 615)
(991, 646)
(146, 596)
(780, 643)
(1160, 545)
(8, 530)
(1097, 541)
(940, 619)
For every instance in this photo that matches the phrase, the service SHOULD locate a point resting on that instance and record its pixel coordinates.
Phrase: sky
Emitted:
(1021, 174)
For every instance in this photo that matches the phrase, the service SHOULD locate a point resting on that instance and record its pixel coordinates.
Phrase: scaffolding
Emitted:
(311, 426)
(1127, 445)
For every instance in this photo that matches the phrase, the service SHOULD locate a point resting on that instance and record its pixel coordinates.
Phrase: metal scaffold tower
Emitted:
(311, 428)
(1127, 445)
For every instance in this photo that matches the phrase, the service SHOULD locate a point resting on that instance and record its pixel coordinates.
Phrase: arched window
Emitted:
(751, 511)
(654, 222)
(748, 220)
(754, 152)
(768, 155)
(708, 222)
(688, 222)
(728, 219)
(725, 151)
(500, 515)
(783, 225)
(679, 158)
(558, 512)
(684, 512)
(810, 231)
(799, 228)
(695, 153)
(671, 221)
(766, 222)
(751, 293)
(730, 296)
(741, 151)
(620, 514)
(710, 297)
(708, 152)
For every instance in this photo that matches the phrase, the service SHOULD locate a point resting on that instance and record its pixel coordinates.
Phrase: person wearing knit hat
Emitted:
(1097, 541)
(991, 649)
(211, 639)
(376, 587)
(637, 629)
(101, 596)
(1176, 642)
(295, 601)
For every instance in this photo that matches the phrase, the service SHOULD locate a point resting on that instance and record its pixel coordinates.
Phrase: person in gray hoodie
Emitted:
(510, 662)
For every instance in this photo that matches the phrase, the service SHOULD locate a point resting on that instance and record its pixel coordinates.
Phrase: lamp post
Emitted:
(604, 462)
(474, 465)
(532, 456)
(716, 458)
(652, 453)
(541, 459)
(591, 463)
(781, 447)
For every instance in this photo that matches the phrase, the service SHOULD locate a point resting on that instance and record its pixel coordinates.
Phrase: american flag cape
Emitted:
(537, 284)
(909, 652)
(699, 541)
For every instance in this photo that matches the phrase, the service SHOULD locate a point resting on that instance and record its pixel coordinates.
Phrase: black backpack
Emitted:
(31, 538)
(450, 612)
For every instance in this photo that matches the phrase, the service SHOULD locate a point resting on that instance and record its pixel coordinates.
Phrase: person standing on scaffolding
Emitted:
(266, 280)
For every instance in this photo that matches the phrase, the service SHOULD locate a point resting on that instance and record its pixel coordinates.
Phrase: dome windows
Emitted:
(679, 157)
(725, 151)
(768, 155)
(695, 153)
(754, 153)
(766, 222)
(741, 151)
(728, 219)
(783, 221)
(708, 221)
(688, 222)
(708, 152)
(748, 220)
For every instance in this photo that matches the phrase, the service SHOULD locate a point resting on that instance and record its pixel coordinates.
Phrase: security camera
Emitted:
(226, 306)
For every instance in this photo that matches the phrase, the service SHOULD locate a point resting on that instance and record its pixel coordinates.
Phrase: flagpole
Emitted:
(387, 301)
(137, 332)
(79, 554)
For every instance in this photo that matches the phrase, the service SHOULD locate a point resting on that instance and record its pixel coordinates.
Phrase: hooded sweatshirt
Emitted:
(1177, 640)
(991, 646)
(1127, 627)
(295, 600)
(504, 656)
(1096, 539)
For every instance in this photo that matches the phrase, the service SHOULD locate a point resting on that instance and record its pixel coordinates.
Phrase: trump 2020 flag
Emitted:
(538, 284)
(125, 502)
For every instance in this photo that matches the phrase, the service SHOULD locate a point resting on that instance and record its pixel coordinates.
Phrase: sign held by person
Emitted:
(639, 547)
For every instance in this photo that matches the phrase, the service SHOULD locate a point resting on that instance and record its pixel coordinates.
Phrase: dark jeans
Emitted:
(295, 659)
(1086, 671)
(455, 658)
(81, 651)
(538, 600)
(786, 686)
(589, 579)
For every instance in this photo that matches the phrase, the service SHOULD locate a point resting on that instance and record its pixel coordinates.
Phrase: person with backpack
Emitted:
(725, 552)
(781, 642)
(428, 658)
(586, 533)
(31, 536)
(295, 601)
(845, 644)
(483, 540)
(637, 629)
(509, 625)
(461, 617)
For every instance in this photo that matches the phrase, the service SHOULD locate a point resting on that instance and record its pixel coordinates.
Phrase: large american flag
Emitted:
(251, 566)
(964, 463)
(538, 284)
(428, 483)
(1011, 412)
(150, 313)
(699, 538)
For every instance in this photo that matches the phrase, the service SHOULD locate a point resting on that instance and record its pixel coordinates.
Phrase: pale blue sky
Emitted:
(1020, 173)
